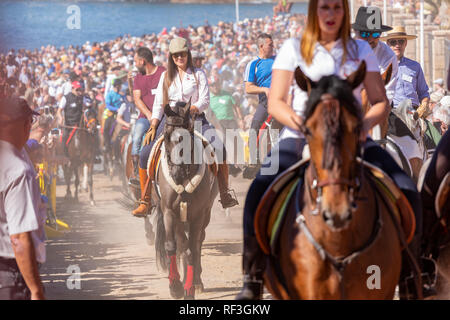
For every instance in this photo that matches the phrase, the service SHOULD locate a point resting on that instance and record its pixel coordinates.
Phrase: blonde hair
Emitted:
(312, 32)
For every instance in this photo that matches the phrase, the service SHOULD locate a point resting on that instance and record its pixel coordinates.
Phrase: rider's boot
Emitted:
(133, 179)
(253, 263)
(145, 202)
(226, 198)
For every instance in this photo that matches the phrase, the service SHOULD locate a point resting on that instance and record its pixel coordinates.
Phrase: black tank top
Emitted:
(73, 109)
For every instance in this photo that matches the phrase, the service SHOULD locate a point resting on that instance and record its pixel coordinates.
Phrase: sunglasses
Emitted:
(179, 54)
(393, 43)
(365, 34)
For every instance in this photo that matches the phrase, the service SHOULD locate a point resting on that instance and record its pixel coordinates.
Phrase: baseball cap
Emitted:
(12, 109)
(76, 85)
(178, 45)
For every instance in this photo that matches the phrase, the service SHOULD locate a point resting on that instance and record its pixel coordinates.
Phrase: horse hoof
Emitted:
(93, 203)
(199, 288)
(188, 297)
(177, 290)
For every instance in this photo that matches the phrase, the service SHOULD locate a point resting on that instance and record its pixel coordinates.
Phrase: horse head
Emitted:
(332, 126)
(179, 140)
(89, 120)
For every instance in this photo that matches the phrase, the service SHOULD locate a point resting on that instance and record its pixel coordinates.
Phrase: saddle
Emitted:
(271, 210)
(272, 207)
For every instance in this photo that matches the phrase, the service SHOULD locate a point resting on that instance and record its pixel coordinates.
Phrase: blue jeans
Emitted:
(290, 151)
(141, 127)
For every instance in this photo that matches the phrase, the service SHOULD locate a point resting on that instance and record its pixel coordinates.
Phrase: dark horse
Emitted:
(338, 230)
(187, 191)
(81, 152)
(435, 190)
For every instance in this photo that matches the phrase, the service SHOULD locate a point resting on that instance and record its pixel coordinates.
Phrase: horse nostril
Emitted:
(327, 215)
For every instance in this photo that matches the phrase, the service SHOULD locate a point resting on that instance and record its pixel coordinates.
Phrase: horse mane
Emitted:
(183, 172)
(341, 90)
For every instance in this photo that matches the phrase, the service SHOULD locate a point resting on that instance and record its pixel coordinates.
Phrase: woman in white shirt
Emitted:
(324, 48)
(184, 82)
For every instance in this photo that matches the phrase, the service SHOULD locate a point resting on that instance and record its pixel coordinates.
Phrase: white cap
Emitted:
(439, 81)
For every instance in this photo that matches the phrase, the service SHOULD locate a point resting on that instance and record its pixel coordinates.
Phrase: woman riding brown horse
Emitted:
(338, 231)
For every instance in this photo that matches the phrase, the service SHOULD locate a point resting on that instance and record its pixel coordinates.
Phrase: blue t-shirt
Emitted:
(259, 71)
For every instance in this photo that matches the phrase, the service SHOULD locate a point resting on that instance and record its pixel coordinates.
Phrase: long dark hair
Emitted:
(172, 71)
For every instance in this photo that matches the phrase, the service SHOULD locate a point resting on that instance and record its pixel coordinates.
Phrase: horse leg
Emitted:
(198, 284)
(191, 253)
(175, 285)
(91, 183)
(77, 181)
(67, 177)
(85, 178)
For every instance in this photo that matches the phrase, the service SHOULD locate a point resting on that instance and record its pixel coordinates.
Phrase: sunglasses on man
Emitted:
(365, 34)
(393, 43)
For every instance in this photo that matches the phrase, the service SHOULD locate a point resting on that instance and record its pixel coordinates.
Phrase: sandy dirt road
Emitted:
(109, 247)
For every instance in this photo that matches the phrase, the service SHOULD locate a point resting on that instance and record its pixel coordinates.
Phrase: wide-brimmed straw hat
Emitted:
(398, 32)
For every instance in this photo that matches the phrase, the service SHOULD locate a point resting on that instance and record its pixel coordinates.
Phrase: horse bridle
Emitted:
(338, 263)
(177, 121)
(354, 186)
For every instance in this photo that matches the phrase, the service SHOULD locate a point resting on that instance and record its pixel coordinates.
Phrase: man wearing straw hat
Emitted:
(411, 82)
(411, 89)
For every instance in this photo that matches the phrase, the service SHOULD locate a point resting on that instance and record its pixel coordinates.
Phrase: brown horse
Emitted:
(185, 194)
(81, 151)
(338, 232)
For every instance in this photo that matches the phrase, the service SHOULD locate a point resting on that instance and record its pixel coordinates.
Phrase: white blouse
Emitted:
(324, 63)
(183, 91)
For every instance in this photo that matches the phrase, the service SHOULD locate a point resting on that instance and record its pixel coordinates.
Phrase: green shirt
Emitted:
(222, 105)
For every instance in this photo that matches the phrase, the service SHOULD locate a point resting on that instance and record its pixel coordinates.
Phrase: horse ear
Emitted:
(303, 81)
(357, 77)
(386, 76)
(168, 111)
(188, 105)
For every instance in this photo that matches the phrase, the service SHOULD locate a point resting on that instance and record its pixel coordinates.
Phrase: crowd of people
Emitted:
(44, 76)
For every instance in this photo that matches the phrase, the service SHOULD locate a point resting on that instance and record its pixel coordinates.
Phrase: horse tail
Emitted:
(160, 240)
